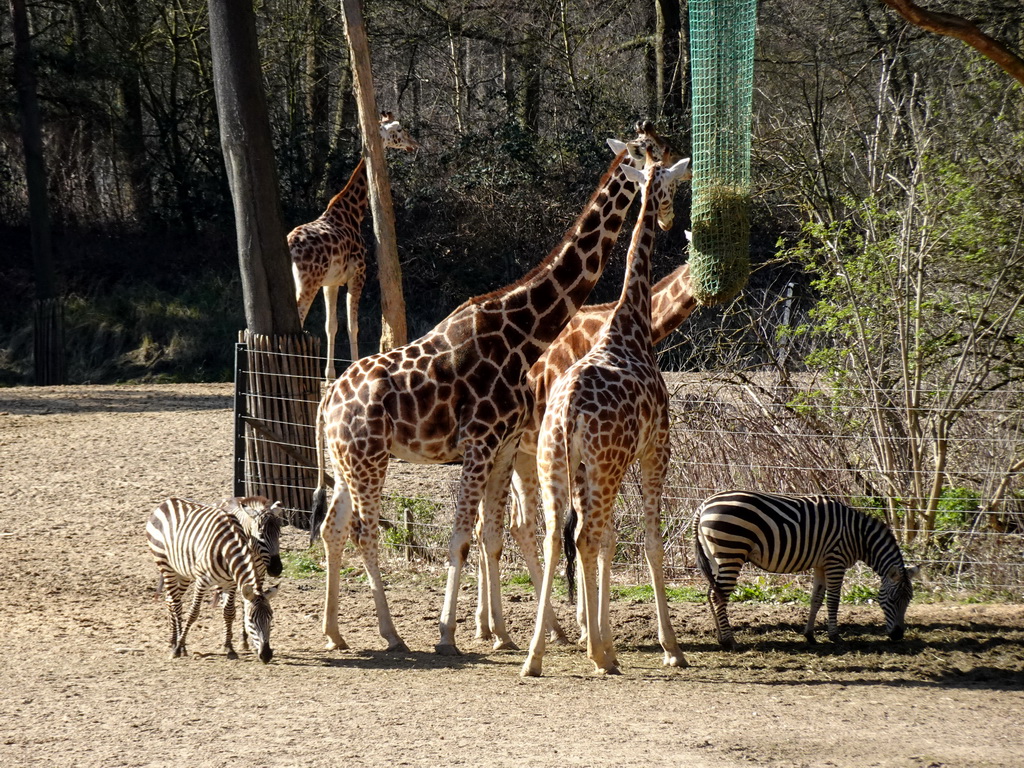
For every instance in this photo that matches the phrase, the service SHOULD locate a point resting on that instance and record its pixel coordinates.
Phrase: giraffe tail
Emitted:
(319, 508)
(569, 543)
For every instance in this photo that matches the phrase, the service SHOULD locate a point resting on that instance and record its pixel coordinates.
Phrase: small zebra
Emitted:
(195, 542)
(262, 523)
(789, 534)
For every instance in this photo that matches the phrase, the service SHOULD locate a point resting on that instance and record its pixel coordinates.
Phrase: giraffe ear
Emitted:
(633, 174)
(689, 235)
(680, 171)
(617, 146)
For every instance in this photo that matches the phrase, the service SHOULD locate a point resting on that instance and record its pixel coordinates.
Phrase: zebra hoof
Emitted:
(729, 644)
(811, 639)
(231, 654)
(835, 637)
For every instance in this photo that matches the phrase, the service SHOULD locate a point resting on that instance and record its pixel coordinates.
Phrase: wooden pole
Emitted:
(393, 331)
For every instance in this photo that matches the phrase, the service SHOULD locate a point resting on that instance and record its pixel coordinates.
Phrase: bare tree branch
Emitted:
(962, 29)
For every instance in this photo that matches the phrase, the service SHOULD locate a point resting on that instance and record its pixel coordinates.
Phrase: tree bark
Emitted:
(252, 174)
(393, 327)
(48, 325)
(668, 30)
(962, 29)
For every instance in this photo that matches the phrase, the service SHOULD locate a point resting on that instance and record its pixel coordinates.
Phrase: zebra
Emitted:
(789, 534)
(190, 542)
(260, 519)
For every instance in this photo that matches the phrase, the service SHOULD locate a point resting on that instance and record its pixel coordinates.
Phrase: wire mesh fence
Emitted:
(783, 435)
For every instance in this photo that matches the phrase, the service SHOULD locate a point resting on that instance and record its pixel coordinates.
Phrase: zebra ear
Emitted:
(248, 592)
(271, 590)
(229, 505)
(894, 573)
(913, 571)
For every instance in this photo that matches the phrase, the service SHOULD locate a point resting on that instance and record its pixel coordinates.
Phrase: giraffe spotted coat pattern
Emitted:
(329, 251)
(609, 409)
(458, 392)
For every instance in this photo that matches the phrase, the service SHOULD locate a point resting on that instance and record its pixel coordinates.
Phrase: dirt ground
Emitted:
(86, 679)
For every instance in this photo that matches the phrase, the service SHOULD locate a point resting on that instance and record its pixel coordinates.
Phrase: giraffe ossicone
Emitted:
(329, 251)
(459, 391)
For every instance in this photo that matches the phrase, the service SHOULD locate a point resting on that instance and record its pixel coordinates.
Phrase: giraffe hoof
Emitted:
(675, 660)
(505, 645)
(337, 645)
(606, 671)
(398, 646)
(530, 670)
(556, 639)
(447, 649)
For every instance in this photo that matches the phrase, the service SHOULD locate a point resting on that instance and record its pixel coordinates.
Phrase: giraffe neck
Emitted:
(531, 312)
(671, 302)
(631, 316)
(351, 202)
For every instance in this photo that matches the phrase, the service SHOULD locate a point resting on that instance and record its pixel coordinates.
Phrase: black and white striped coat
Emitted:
(789, 534)
(194, 542)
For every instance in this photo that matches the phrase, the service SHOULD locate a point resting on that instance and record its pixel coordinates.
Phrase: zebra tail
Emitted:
(319, 508)
(705, 564)
(569, 542)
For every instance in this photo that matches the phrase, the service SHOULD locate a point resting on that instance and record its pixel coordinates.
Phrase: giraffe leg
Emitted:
(555, 498)
(652, 478)
(817, 597)
(367, 517)
(476, 467)
(483, 593)
(523, 527)
(355, 290)
(492, 515)
(596, 548)
(588, 545)
(331, 326)
(333, 532)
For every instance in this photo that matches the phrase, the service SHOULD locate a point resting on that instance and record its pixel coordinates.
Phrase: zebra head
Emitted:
(262, 521)
(894, 596)
(258, 619)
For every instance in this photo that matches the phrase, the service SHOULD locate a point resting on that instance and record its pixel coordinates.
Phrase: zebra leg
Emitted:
(718, 598)
(817, 596)
(229, 620)
(834, 587)
(193, 614)
(173, 590)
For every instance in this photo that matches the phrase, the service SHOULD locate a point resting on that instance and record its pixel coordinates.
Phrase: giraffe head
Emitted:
(394, 135)
(666, 179)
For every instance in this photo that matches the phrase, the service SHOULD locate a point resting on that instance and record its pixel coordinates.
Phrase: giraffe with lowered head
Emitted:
(609, 409)
(329, 251)
(458, 392)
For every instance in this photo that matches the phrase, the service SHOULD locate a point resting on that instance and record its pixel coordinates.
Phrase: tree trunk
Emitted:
(668, 31)
(48, 324)
(252, 174)
(393, 331)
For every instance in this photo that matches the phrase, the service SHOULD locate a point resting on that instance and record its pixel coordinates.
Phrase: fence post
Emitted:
(241, 378)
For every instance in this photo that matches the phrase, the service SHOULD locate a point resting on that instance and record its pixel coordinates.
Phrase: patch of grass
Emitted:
(303, 565)
(860, 594)
(761, 591)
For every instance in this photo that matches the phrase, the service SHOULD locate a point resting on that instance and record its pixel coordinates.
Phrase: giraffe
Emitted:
(672, 302)
(458, 392)
(609, 409)
(329, 252)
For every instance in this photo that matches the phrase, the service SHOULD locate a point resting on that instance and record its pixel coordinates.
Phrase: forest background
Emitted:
(855, 114)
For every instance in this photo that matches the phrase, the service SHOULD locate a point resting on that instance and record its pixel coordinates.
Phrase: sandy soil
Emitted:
(86, 679)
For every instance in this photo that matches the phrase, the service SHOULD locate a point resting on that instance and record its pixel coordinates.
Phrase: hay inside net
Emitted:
(722, 59)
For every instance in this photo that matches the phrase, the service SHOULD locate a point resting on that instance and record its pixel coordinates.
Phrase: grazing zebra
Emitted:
(261, 522)
(788, 534)
(194, 542)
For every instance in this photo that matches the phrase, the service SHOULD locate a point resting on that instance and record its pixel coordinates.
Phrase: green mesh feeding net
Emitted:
(722, 62)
